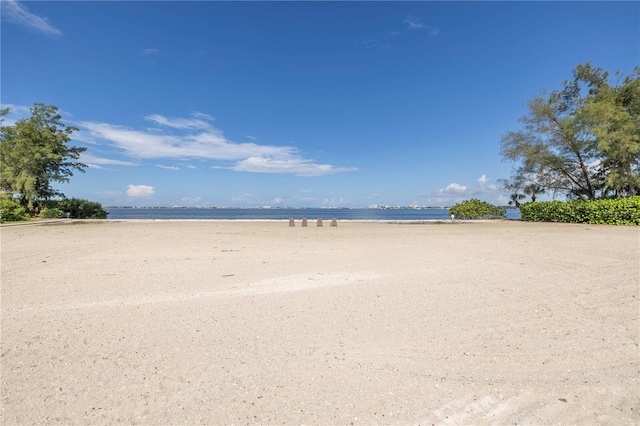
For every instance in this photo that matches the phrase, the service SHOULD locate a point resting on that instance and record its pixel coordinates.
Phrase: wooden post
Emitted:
(304, 221)
(292, 222)
(334, 222)
(319, 221)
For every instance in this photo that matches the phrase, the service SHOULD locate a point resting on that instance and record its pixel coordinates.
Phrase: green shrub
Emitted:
(476, 209)
(10, 210)
(617, 211)
(50, 213)
(80, 209)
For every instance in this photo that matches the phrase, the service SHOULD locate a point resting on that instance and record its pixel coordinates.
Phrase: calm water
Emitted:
(283, 214)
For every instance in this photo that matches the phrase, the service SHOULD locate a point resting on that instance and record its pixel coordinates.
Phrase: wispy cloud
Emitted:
(374, 43)
(14, 12)
(140, 191)
(294, 165)
(167, 167)
(415, 23)
(183, 123)
(147, 52)
(200, 140)
(410, 23)
(94, 161)
(16, 112)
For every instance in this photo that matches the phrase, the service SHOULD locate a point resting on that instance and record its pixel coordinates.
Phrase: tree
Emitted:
(613, 114)
(515, 199)
(533, 191)
(34, 154)
(580, 141)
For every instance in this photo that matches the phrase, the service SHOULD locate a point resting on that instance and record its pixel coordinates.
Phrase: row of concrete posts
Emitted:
(292, 222)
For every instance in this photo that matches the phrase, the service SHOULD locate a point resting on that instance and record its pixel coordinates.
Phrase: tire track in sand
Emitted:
(290, 283)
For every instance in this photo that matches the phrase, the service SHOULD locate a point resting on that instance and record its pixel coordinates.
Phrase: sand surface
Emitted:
(153, 322)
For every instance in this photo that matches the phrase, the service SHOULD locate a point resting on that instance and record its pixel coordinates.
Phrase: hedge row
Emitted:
(78, 208)
(618, 211)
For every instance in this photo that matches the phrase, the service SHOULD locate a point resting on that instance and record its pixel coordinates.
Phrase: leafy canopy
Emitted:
(582, 141)
(476, 209)
(34, 153)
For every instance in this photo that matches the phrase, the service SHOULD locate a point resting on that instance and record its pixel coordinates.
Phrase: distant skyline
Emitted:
(299, 104)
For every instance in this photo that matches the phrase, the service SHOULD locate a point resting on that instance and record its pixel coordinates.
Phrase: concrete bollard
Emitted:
(304, 221)
(292, 222)
(319, 221)
(334, 222)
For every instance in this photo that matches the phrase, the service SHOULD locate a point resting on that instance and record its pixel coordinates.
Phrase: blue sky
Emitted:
(299, 103)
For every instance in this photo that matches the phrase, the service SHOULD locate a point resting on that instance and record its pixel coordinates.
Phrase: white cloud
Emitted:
(200, 140)
(453, 188)
(295, 165)
(210, 145)
(182, 123)
(93, 161)
(203, 116)
(13, 11)
(373, 43)
(413, 23)
(147, 52)
(135, 191)
(455, 193)
(191, 167)
(502, 200)
(167, 167)
(16, 112)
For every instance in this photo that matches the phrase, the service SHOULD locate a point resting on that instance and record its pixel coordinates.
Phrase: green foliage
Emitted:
(581, 141)
(476, 209)
(50, 213)
(34, 154)
(79, 208)
(515, 199)
(616, 211)
(10, 210)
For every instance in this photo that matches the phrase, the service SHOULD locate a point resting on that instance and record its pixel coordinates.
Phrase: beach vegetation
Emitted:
(607, 211)
(582, 141)
(476, 209)
(34, 154)
(78, 208)
(11, 210)
(515, 199)
(50, 213)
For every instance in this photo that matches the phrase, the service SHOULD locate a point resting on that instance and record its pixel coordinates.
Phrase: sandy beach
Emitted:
(212, 322)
